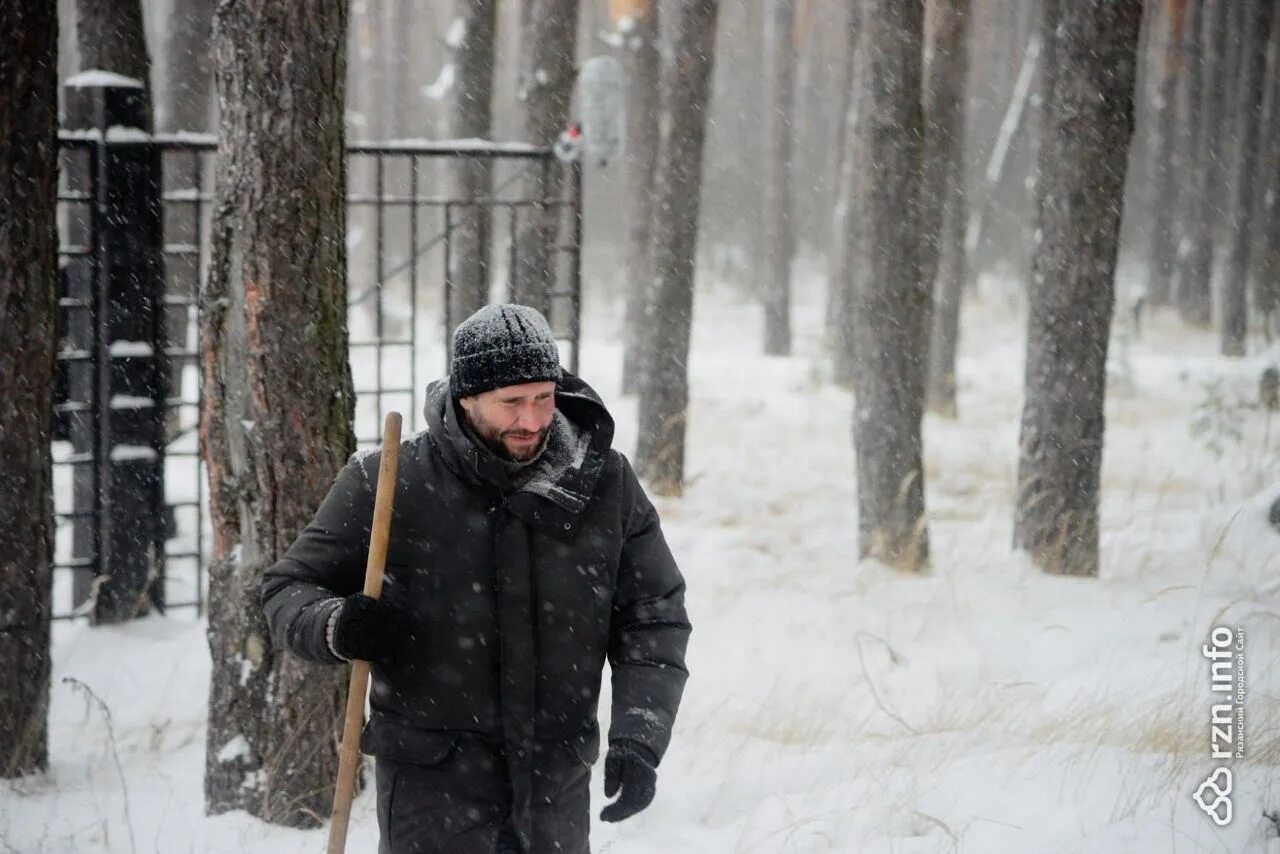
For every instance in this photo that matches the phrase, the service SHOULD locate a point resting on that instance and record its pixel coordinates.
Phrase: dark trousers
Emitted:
(463, 806)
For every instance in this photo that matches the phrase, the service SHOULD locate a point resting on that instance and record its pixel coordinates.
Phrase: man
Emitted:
(523, 552)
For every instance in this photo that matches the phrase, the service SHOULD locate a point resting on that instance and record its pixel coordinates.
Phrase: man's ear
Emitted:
(467, 403)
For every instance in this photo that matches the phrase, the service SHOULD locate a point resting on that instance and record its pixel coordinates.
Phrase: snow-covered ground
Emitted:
(837, 705)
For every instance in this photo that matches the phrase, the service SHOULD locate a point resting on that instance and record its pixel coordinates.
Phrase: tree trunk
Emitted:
(664, 385)
(1165, 170)
(1195, 251)
(846, 247)
(472, 44)
(547, 73)
(1090, 59)
(29, 318)
(1235, 300)
(641, 58)
(187, 87)
(278, 401)
(779, 236)
(891, 337)
(1266, 203)
(110, 37)
(946, 101)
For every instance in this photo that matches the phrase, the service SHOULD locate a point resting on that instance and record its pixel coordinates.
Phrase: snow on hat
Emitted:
(502, 345)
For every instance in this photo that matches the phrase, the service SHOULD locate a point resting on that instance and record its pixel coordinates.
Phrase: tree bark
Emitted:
(1090, 59)
(641, 58)
(946, 98)
(779, 236)
(891, 338)
(472, 44)
(1235, 297)
(664, 385)
(110, 37)
(278, 401)
(29, 318)
(547, 72)
(187, 102)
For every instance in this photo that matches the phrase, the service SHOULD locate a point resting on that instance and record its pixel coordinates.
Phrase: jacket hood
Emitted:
(566, 473)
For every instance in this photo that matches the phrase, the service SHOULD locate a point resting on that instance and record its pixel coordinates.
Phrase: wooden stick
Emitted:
(349, 753)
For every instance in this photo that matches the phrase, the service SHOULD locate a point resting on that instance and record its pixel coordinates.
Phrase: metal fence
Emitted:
(401, 250)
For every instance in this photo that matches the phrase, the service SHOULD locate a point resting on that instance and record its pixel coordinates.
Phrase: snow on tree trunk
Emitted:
(664, 386)
(779, 236)
(471, 41)
(547, 71)
(187, 88)
(945, 101)
(836, 262)
(640, 52)
(278, 402)
(29, 318)
(1090, 58)
(1236, 268)
(891, 312)
(110, 37)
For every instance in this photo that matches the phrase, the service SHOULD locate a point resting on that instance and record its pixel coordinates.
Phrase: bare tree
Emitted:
(946, 91)
(1090, 59)
(29, 318)
(664, 386)
(1235, 298)
(891, 314)
(548, 36)
(779, 236)
(278, 402)
(471, 41)
(640, 52)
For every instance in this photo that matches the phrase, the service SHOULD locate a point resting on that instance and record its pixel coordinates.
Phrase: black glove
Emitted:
(632, 767)
(367, 629)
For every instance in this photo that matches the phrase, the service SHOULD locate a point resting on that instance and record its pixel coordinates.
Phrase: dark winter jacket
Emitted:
(515, 595)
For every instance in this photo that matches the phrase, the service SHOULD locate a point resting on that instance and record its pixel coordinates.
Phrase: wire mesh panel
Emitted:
(404, 254)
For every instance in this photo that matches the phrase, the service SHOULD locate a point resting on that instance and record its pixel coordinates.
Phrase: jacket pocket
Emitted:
(388, 738)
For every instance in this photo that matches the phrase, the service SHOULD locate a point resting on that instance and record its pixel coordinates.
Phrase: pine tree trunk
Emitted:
(843, 239)
(547, 73)
(278, 402)
(945, 112)
(1195, 251)
(110, 37)
(664, 386)
(470, 117)
(187, 88)
(29, 318)
(891, 337)
(1090, 59)
(1266, 204)
(779, 237)
(1164, 170)
(641, 59)
(1235, 298)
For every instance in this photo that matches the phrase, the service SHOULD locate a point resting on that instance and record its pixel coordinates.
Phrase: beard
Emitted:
(495, 440)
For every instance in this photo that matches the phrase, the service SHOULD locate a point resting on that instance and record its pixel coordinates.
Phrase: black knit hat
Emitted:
(502, 345)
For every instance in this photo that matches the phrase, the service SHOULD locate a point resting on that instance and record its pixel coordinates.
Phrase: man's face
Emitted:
(513, 420)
